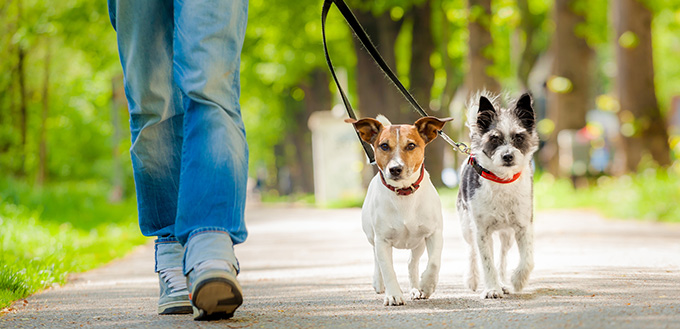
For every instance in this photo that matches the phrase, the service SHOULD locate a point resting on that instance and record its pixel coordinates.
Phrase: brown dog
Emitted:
(402, 208)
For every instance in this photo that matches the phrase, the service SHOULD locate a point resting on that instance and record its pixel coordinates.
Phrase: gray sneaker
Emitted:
(174, 294)
(214, 291)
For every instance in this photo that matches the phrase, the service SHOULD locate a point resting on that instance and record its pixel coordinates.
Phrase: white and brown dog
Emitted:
(402, 208)
(496, 191)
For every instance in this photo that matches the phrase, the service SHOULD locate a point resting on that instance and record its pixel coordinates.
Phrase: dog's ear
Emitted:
(525, 113)
(368, 128)
(429, 127)
(486, 115)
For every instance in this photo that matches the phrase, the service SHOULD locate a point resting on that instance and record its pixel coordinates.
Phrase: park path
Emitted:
(311, 268)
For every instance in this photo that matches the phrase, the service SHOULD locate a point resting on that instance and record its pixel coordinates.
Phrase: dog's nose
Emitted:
(508, 157)
(395, 171)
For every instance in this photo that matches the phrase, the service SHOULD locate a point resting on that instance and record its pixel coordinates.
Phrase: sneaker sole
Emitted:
(177, 307)
(216, 298)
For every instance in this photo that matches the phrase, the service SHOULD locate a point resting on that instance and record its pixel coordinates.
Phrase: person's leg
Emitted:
(207, 47)
(144, 31)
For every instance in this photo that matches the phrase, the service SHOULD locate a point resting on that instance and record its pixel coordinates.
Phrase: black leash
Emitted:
(370, 48)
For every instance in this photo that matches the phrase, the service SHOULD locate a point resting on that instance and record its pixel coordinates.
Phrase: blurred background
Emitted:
(604, 76)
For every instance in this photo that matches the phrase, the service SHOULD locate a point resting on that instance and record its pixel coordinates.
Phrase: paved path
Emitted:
(309, 268)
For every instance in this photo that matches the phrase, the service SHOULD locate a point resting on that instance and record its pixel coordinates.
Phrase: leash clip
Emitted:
(460, 147)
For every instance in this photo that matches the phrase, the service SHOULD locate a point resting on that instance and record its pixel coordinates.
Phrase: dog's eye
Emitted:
(384, 147)
(410, 146)
(519, 138)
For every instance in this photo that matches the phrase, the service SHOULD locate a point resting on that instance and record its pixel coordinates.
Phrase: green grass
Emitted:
(652, 194)
(49, 233)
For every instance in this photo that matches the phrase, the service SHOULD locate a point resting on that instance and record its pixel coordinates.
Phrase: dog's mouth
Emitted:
(394, 178)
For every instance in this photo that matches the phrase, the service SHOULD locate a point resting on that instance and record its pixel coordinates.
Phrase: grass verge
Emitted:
(48, 233)
(652, 194)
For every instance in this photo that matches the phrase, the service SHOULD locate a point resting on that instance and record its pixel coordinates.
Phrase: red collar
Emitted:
(406, 190)
(489, 175)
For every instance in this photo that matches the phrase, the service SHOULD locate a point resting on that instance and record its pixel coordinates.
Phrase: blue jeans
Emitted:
(189, 155)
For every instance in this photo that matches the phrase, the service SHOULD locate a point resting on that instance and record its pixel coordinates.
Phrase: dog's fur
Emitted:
(499, 132)
(411, 221)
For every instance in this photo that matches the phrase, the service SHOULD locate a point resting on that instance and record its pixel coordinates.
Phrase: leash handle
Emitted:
(373, 51)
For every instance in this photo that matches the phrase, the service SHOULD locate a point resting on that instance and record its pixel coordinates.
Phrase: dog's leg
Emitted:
(378, 283)
(428, 281)
(472, 273)
(525, 243)
(413, 261)
(383, 253)
(485, 244)
(506, 243)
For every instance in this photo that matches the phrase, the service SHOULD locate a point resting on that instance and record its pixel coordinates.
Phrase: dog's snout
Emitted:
(395, 171)
(508, 157)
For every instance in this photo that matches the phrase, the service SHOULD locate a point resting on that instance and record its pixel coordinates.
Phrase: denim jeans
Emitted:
(181, 62)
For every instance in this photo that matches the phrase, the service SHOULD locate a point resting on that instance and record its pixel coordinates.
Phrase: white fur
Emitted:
(506, 208)
(384, 120)
(405, 222)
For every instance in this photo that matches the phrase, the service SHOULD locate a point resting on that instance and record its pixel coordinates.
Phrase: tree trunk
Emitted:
(639, 109)
(530, 25)
(480, 42)
(118, 104)
(421, 76)
(22, 99)
(567, 106)
(8, 90)
(42, 156)
(451, 84)
(376, 94)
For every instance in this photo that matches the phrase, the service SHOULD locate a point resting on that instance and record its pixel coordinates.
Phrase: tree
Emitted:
(375, 93)
(421, 79)
(42, 156)
(480, 43)
(535, 39)
(23, 107)
(643, 127)
(570, 84)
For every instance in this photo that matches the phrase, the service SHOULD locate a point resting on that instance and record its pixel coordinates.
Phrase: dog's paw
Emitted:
(418, 294)
(505, 289)
(471, 282)
(378, 285)
(520, 278)
(379, 289)
(393, 300)
(492, 294)
(427, 288)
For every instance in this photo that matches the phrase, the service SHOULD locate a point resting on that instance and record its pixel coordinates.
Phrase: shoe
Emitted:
(174, 294)
(214, 291)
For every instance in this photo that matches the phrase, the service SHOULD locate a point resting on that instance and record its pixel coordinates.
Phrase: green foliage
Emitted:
(80, 42)
(650, 195)
(64, 228)
(282, 47)
(666, 45)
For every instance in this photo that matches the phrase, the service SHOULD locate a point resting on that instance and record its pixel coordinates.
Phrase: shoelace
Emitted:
(176, 280)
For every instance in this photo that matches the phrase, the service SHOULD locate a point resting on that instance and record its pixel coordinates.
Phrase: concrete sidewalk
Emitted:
(310, 268)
